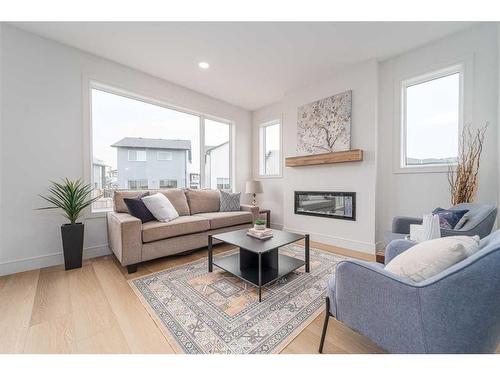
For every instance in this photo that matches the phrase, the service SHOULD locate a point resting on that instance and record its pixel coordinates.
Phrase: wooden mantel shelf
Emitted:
(326, 158)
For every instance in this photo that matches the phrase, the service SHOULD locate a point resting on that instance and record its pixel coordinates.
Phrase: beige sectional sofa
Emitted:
(133, 242)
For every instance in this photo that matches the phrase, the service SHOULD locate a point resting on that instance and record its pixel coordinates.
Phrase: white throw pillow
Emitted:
(160, 207)
(429, 258)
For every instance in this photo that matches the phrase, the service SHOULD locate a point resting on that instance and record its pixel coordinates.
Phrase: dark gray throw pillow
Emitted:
(448, 219)
(138, 209)
(229, 201)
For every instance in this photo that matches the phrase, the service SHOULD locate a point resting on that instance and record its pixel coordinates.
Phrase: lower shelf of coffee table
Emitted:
(231, 264)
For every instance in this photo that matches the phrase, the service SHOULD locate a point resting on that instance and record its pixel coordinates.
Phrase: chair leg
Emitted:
(325, 325)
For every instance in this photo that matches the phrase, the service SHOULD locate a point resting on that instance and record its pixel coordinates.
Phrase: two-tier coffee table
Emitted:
(258, 262)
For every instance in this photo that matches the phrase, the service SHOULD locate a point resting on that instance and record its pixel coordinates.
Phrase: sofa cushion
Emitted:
(229, 201)
(138, 209)
(178, 200)
(227, 219)
(155, 230)
(201, 201)
(118, 196)
(161, 207)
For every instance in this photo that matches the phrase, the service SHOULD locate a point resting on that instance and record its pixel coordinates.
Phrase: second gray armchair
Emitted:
(481, 218)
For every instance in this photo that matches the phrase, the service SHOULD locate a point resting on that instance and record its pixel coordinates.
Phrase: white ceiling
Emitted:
(252, 64)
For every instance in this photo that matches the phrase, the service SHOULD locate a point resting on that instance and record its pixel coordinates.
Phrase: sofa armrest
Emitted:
(401, 224)
(125, 237)
(253, 209)
(395, 248)
(380, 305)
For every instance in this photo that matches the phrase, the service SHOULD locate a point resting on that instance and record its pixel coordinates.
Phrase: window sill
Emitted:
(96, 215)
(270, 177)
(423, 169)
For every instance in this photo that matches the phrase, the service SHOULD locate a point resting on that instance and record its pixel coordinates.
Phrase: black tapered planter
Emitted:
(72, 238)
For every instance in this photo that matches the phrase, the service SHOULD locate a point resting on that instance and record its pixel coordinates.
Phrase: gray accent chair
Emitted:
(456, 311)
(480, 223)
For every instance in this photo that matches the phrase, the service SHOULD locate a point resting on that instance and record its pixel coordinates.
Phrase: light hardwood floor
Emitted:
(93, 310)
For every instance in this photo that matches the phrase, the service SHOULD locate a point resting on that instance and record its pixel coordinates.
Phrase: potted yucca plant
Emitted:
(72, 197)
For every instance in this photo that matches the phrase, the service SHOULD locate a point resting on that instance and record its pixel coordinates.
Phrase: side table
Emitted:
(268, 216)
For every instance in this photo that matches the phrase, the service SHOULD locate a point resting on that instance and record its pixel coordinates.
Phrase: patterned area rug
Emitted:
(202, 312)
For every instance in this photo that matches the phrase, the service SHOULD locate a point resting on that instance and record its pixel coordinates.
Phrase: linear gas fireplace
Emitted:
(332, 204)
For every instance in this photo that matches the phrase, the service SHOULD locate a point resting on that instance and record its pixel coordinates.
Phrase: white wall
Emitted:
(357, 177)
(44, 136)
(417, 193)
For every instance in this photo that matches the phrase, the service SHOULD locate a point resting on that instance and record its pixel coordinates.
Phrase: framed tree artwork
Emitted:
(325, 125)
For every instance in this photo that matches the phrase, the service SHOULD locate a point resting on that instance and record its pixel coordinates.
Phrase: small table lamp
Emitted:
(253, 187)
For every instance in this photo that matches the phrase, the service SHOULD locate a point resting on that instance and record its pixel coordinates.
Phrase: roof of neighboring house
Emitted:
(167, 144)
(210, 148)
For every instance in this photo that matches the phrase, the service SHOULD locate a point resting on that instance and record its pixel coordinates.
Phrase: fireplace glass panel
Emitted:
(339, 205)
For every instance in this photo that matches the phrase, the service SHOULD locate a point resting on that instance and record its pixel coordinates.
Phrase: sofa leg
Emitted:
(325, 325)
(131, 268)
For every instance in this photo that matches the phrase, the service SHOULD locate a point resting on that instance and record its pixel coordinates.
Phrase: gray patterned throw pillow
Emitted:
(229, 201)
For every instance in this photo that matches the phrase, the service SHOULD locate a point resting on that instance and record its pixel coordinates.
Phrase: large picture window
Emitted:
(431, 118)
(138, 144)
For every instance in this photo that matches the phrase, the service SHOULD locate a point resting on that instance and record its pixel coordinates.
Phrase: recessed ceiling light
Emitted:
(204, 65)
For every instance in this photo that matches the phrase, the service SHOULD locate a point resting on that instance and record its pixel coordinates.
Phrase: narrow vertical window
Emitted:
(270, 149)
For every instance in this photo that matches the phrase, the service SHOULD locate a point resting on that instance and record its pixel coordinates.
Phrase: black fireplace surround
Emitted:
(331, 204)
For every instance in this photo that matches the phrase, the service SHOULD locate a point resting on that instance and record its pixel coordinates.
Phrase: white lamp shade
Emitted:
(253, 187)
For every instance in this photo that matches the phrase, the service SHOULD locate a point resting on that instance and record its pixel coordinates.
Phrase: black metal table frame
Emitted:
(260, 285)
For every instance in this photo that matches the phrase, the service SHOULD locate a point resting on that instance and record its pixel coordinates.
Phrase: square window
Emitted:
(138, 184)
(137, 155)
(168, 184)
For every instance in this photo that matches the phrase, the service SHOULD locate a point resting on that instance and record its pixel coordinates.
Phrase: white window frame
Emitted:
(169, 156)
(136, 151)
(262, 142)
(90, 83)
(400, 162)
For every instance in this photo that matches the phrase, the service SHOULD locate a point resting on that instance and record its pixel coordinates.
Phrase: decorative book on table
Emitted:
(260, 234)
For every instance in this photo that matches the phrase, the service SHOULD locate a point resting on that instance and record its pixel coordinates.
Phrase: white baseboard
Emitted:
(277, 226)
(364, 247)
(47, 260)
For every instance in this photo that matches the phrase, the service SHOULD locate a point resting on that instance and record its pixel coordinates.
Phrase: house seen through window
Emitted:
(144, 146)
